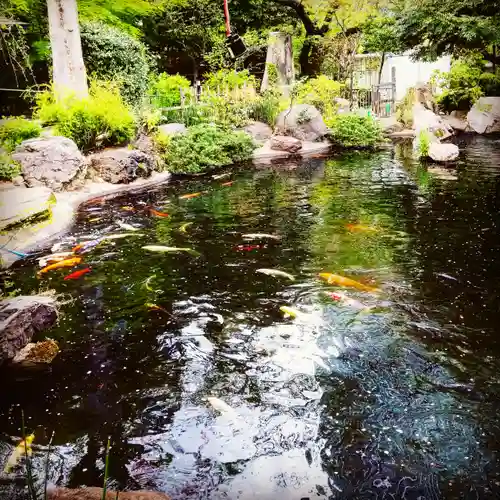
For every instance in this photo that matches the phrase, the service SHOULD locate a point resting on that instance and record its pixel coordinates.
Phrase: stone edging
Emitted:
(32, 238)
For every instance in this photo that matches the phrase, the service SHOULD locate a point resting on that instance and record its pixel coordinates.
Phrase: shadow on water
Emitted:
(393, 398)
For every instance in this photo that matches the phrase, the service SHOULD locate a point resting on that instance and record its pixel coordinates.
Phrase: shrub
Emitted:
(404, 110)
(205, 147)
(460, 87)
(226, 79)
(102, 119)
(8, 167)
(320, 92)
(353, 131)
(113, 55)
(164, 90)
(267, 107)
(15, 130)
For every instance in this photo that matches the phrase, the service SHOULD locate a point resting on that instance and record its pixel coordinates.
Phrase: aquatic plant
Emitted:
(8, 167)
(423, 143)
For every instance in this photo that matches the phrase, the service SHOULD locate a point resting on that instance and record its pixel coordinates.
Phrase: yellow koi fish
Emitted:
(289, 312)
(19, 451)
(63, 263)
(335, 279)
(361, 228)
(184, 226)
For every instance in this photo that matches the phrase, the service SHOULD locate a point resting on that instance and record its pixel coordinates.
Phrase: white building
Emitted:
(398, 69)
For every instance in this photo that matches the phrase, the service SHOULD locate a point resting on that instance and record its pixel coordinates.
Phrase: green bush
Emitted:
(460, 87)
(113, 55)
(164, 90)
(15, 130)
(101, 119)
(226, 79)
(320, 92)
(354, 131)
(423, 144)
(205, 147)
(404, 110)
(267, 107)
(8, 167)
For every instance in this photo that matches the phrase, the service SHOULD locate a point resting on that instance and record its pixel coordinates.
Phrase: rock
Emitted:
(18, 181)
(38, 353)
(424, 96)
(443, 151)
(172, 128)
(121, 165)
(285, 143)
(56, 493)
(54, 162)
(425, 119)
(259, 131)
(19, 204)
(146, 144)
(343, 105)
(484, 117)
(456, 123)
(21, 318)
(302, 121)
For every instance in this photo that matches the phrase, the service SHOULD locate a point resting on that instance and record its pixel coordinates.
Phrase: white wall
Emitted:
(409, 73)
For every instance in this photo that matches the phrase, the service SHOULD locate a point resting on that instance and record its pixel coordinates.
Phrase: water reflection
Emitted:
(397, 399)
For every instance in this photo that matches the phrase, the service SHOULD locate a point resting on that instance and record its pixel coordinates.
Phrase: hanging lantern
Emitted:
(234, 43)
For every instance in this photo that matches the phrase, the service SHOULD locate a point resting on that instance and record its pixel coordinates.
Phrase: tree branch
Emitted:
(309, 25)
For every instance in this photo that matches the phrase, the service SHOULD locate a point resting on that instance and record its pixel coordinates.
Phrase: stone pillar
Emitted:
(67, 59)
(279, 63)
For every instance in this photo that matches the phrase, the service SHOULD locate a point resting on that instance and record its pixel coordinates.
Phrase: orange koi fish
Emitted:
(229, 183)
(157, 213)
(77, 274)
(63, 263)
(361, 228)
(191, 195)
(335, 279)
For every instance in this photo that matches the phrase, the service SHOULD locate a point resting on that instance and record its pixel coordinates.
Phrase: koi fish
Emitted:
(95, 219)
(127, 227)
(228, 183)
(77, 274)
(163, 249)
(335, 279)
(342, 297)
(55, 257)
(248, 248)
(358, 228)
(220, 406)
(128, 208)
(221, 176)
(276, 272)
(188, 196)
(184, 226)
(63, 263)
(155, 307)
(121, 236)
(86, 246)
(147, 281)
(23, 448)
(258, 236)
(152, 211)
(289, 312)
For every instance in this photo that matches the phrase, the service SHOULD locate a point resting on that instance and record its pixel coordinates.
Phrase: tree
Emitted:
(67, 59)
(435, 27)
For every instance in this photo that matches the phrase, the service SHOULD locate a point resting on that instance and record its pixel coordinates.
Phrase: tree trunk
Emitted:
(381, 67)
(69, 75)
(279, 63)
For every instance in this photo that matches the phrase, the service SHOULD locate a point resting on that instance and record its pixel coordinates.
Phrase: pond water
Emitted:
(394, 398)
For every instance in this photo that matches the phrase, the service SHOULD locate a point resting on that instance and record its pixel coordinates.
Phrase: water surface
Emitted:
(397, 400)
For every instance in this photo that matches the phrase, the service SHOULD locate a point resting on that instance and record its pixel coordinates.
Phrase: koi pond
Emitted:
(241, 363)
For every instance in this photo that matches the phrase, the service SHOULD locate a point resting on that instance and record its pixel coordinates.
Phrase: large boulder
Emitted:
(457, 121)
(443, 152)
(121, 165)
(172, 129)
(285, 143)
(21, 318)
(20, 204)
(484, 117)
(302, 121)
(259, 131)
(54, 162)
(425, 119)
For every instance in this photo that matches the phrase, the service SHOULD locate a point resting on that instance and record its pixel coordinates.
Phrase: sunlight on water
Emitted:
(385, 387)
